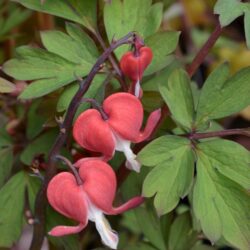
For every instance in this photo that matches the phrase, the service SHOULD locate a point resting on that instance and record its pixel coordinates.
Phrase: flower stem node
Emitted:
(89, 201)
(123, 126)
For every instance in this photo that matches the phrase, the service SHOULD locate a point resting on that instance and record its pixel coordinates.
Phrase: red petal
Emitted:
(130, 204)
(125, 113)
(99, 182)
(133, 66)
(93, 133)
(65, 230)
(153, 119)
(67, 197)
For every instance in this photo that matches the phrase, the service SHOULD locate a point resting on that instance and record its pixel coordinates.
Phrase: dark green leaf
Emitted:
(220, 95)
(11, 207)
(6, 162)
(221, 205)
(177, 94)
(182, 236)
(6, 86)
(121, 17)
(172, 176)
(35, 121)
(161, 50)
(40, 145)
(83, 12)
(228, 10)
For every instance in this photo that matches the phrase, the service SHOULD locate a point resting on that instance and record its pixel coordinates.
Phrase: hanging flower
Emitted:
(133, 65)
(122, 126)
(89, 200)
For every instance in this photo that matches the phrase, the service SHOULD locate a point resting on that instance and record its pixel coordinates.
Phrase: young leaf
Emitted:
(172, 176)
(121, 17)
(177, 94)
(6, 162)
(83, 12)
(229, 158)
(11, 207)
(222, 97)
(228, 10)
(182, 236)
(247, 27)
(161, 50)
(6, 86)
(221, 205)
(56, 67)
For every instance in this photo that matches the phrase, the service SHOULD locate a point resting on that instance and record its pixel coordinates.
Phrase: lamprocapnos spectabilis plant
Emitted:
(150, 99)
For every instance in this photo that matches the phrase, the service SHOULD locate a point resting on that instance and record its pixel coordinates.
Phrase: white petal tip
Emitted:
(133, 164)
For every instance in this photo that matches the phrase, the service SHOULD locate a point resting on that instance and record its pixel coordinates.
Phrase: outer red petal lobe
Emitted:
(93, 133)
(125, 113)
(99, 182)
(67, 198)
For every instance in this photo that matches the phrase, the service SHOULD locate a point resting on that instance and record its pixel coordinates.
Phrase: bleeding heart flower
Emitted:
(88, 201)
(125, 117)
(133, 66)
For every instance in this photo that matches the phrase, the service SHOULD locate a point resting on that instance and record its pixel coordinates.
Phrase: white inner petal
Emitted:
(109, 237)
(124, 146)
(137, 88)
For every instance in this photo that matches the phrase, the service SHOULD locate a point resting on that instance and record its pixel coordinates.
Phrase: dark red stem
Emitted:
(203, 52)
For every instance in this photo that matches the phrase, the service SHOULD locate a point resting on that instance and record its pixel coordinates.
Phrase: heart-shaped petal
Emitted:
(93, 133)
(125, 113)
(134, 66)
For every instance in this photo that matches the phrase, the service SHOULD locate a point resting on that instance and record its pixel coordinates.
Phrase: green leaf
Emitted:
(35, 121)
(161, 50)
(70, 91)
(221, 205)
(6, 86)
(121, 17)
(5, 138)
(6, 162)
(177, 94)
(83, 12)
(77, 47)
(229, 158)
(172, 176)
(11, 207)
(220, 95)
(40, 145)
(182, 236)
(247, 27)
(68, 57)
(228, 10)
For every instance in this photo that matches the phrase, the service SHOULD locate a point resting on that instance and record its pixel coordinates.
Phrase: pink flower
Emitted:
(89, 201)
(123, 126)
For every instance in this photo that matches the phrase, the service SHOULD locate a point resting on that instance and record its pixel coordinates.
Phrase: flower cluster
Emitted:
(93, 196)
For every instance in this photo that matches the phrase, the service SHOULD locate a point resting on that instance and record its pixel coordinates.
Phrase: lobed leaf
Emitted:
(6, 86)
(178, 96)
(220, 95)
(172, 176)
(221, 205)
(121, 17)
